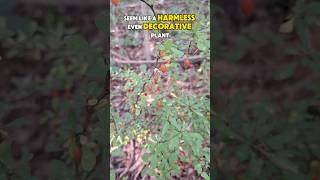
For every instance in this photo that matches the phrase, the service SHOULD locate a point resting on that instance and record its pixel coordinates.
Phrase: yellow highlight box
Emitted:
(167, 26)
(176, 17)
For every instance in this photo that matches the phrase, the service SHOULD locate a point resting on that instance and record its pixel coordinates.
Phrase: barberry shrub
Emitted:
(165, 105)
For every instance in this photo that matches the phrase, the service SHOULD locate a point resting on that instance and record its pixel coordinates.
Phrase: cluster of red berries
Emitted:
(163, 69)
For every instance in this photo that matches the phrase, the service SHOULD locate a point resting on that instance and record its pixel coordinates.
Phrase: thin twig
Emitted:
(104, 95)
(189, 47)
(144, 84)
(151, 7)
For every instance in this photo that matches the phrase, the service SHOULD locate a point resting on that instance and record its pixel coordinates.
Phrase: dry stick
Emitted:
(133, 142)
(139, 171)
(124, 60)
(197, 58)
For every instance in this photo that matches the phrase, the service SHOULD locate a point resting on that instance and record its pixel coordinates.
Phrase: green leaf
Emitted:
(243, 151)
(315, 149)
(287, 135)
(88, 160)
(196, 136)
(102, 22)
(248, 129)
(5, 153)
(80, 46)
(223, 130)
(103, 114)
(55, 145)
(97, 69)
(195, 27)
(7, 5)
(255, 165)
(26, 155)
(242, 46)
(285, 72)
(284, 163)
(19, 122)
(23, 170)
(18, 23)
(154, 161)
(69, 124)
(118, 152)
(2, 176)
(76, 43)
(2, 24)
(301, 30)
(203, 45)
(176, 53)
(205, 175)
(174, 143)
(146, 157)
(174, 122)
(168, 44)
(198, 168)
(295, 176)
(165, 129)
(112, 175)
(59, 170)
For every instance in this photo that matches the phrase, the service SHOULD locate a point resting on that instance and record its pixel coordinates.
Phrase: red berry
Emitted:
(163, 68)
(186, 63)
(159, 104)
(55, 124)
(77, 155)
(55, 93)
(67, 94)
(247, 7)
